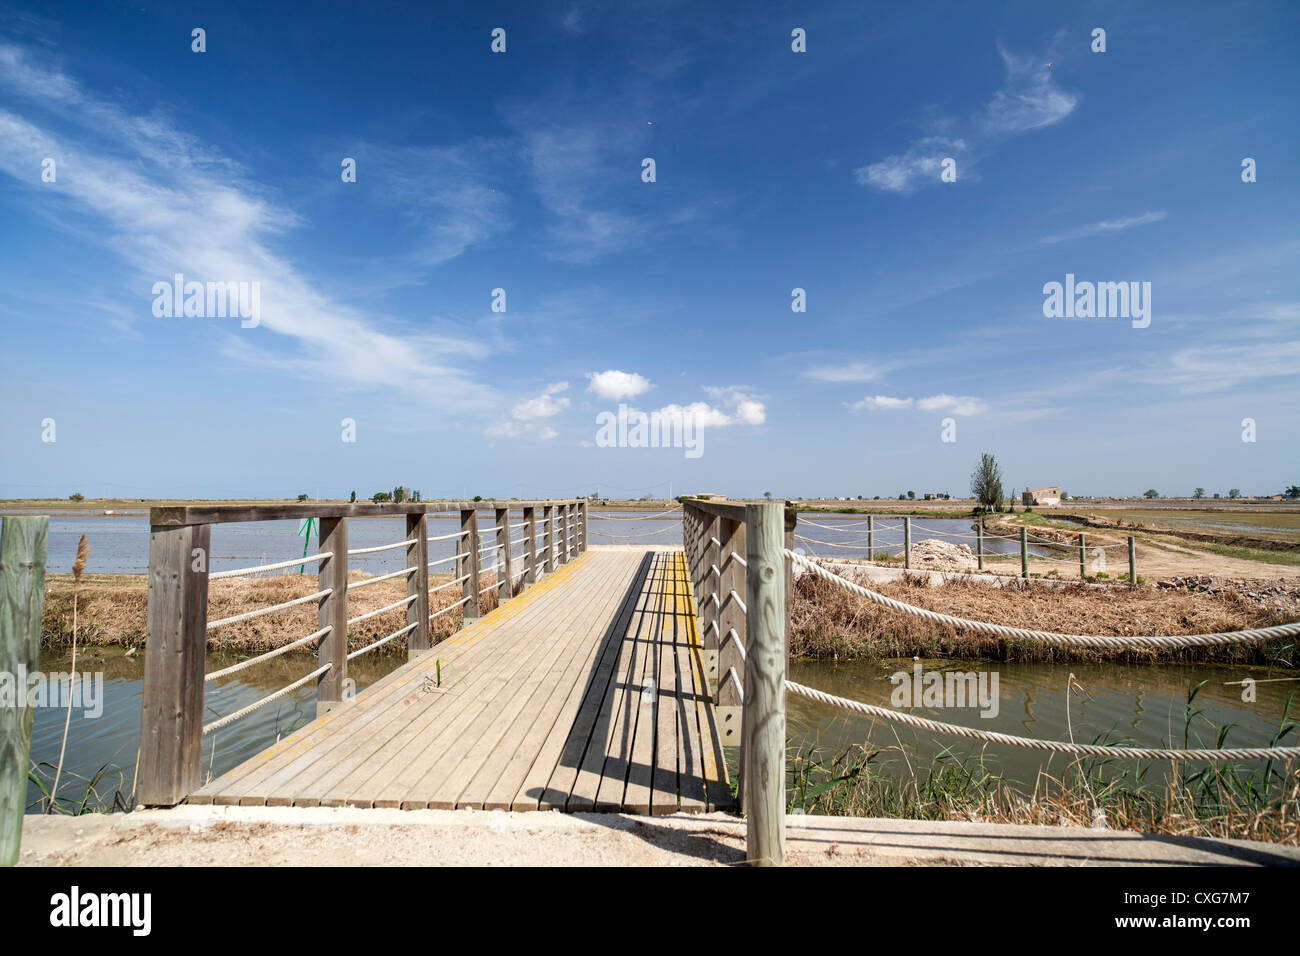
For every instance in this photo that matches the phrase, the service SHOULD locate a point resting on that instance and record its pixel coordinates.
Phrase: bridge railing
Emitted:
(548, 535)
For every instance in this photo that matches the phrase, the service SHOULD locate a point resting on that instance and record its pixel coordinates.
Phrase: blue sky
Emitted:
(775, 170)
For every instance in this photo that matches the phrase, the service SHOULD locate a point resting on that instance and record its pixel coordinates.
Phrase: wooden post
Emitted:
(585, 506)
(469, 563)
(505, 575)
(709, 599)
(417, 612)
(1083, 558)
(871, 538)
(1132, 563)
(22, 604)
(907, 541)
(1024, 552)
(563, 555)
(764, 709)
(171, 732)
(530, 546)
(732, 631)
(548, 559)
(979, 542)
(333, 613)
(791, 519)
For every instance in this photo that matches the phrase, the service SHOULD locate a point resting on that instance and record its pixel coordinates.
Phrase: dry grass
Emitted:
(829, 622)
(112, 610)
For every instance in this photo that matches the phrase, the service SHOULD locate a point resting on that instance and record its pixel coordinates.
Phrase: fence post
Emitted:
(171, 734)
(563, 557)
(731, 627)
(1083, 558)
(505, 575)
(871, 538)
(907, 541)
(332, 612)
(763, 746)
(548, 559)
(530, 546)
(22, 605)
(1132, 563)
(979, 542)
(469, 563)
(417, 612)
(585, 506)
(1024, 552)
(709, 599)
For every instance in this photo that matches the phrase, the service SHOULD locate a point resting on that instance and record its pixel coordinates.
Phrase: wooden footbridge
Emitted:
(591, 686)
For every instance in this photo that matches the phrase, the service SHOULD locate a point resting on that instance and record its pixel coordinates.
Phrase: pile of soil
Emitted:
(935, 555)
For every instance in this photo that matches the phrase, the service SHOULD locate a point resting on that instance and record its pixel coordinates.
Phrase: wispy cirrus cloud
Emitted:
(1029, 99)
(957, 404)
(167, 203)
(1107, 227)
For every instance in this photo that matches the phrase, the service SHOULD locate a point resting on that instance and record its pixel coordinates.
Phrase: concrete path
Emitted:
(278, 836)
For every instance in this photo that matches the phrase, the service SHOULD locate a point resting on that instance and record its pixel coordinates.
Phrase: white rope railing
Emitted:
(383, 610)
(460, 580)
(244, 712)
(449, 607)
(434, 564)
(382, 547)
(383, 640)
(365, 583)
(241, 572)
(1161, 642)
(447, 537)
(212, 625)
(252, 661)
(1031, 743)
(601, 517)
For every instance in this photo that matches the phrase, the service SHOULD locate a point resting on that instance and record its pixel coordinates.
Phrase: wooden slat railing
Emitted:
(179, 556)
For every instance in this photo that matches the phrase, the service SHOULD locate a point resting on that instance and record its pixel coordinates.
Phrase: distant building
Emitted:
(708, 496)
(1042, 497)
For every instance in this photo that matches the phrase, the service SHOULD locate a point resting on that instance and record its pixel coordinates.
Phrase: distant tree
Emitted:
(302, 497)
(875, 498)
(911, 496)
(1234, 492)
(381, 496)
(767, 495)
(415, 495)
(78, 496)
(986, 482)
(353, 498)
(1292, 491)
(1150, 493)
(902, 497)
(1198, 493)
(478, 497)
(399, 493)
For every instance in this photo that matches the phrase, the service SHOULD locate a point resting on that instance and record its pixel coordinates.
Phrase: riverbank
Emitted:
(286, 836)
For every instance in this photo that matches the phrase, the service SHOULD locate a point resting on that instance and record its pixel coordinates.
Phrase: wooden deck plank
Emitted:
(582, 693)
(609, 725)
(536, 717)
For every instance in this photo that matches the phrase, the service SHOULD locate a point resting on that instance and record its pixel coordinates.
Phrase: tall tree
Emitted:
(986, 482)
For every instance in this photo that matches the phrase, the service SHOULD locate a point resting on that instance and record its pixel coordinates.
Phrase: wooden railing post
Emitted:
(979, 542)
(585, 506)
(1083, 557)
(564, 534)
(1024, 552)
(1132, 563)
(709, 599)
(871, 538)
(907, 541)
(417, 612)
(505, 574)
(469, 563)
(171, 734)
(332, 612)
(530, 546)
(732, 627)
(763, 732)
(548, 558)
(22, 605)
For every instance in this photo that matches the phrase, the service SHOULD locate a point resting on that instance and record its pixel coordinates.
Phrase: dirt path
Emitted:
(284, 836)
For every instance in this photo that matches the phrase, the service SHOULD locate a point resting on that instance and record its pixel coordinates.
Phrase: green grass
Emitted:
(1291, 558)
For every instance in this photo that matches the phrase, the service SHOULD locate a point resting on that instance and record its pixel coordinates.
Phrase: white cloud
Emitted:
(614, 384)
(167, 204)
(1107, 227)
(545, 405)
(880, 402)
(853, 372)
(521, 430)
(1027, 100)
(959, 404)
